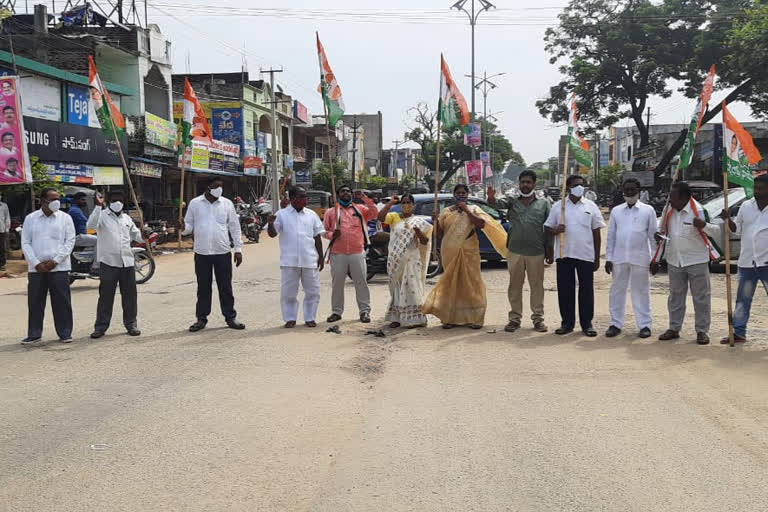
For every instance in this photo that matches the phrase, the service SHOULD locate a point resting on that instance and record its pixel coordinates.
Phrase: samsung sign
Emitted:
(77, 105)
(60, 142)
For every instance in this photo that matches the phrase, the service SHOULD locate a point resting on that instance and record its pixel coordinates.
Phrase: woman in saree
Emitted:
(406, 263)
(459, 297)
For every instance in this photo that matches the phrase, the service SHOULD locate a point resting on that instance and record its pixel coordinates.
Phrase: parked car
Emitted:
(424, 206)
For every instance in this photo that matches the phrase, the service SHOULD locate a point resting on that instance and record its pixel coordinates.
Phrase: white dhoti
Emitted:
(637, 279)
(289, 292)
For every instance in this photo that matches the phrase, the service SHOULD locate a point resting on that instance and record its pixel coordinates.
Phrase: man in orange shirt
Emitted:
(346, 227)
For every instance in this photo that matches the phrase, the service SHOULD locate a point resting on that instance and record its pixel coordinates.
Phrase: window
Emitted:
(426, 207)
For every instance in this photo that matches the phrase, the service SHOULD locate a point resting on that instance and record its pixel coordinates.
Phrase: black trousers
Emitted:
(39, 284)
(567, 270)
(3, 249)
(205, 268)
(109, 278)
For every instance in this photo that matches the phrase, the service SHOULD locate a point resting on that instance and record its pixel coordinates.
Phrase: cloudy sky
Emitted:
(386, 55)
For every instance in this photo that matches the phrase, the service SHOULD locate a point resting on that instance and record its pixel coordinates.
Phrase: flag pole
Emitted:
(727, 228)
(130, 183)
(435, 210)
(562, 196)
(181, 192)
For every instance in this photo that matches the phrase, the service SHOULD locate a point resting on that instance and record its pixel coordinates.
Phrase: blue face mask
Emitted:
(457, 199)
(344, 203)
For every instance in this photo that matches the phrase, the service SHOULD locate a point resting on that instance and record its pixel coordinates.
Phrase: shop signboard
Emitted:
(69, 173)
(107, 175)
(14, 156)
(303, 176)
(160, 132)
(474, 135)
(227, 125)
(219, 156)
(252, 165)
(77, 104)
(300, 112)
(146, 169)
(41, 97)
(207, 106)
(61, 142)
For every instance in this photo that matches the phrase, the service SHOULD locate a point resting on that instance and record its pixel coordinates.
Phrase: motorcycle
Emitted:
(263, 211)
(250, 222)
(14, 236)
(82, 260)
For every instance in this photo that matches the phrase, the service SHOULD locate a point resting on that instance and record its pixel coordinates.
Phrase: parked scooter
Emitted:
(82, 261)
(250, 223)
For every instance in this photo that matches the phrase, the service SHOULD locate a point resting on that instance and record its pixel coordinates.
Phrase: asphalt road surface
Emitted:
(304, 420)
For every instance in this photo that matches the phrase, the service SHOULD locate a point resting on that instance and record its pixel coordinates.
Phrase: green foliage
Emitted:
(615, 54)
(321, 177)
(610, 176)
(453, 151)
(373, 182)
(41, 181)
(407, 181)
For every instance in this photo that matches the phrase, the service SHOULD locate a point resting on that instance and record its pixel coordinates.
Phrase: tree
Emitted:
(373, 182)
(615, 55)
(407, 181)
(610, 176)
(40, 179)
(423, 131)
(321, 178)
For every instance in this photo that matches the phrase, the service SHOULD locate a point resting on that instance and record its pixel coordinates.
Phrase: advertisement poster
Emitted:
(252, 165)
(107, 175)
(300, 112)
(474, 171)
(146, 170)
(14, 158)
(474, 135)
(42, 97)
(160, 132)
(261, 145)
(227, 125)
(218, 157)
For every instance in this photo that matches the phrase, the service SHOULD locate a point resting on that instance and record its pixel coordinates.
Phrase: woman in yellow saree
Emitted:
(459, 297)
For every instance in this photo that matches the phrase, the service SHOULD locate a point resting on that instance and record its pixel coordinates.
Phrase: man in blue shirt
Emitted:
(78, 213)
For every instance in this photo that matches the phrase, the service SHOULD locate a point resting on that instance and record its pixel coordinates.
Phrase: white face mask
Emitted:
(529, 194)
(630, 200)
(216, 192)
(54, 205)
(577, 191)
(116, 206)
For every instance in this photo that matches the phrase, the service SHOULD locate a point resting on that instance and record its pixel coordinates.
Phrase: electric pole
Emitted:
(485, 85)
(397, 144)
(473, 15)
(355, 128)
(275, 192)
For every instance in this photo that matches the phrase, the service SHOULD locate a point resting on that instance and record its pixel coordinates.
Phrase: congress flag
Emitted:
(739, 153)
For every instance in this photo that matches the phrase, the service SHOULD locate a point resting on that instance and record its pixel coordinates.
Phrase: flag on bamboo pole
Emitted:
(329, 87)
(578, 145)
(451, 100)
(194, 124)
(739, 153)
(106, 111)
(686, 154)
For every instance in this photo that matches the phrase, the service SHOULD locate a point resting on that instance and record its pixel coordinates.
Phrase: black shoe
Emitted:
(562, 331)
(290, 324)
(333, 318)
(97, 334)
(134, 332)
(65, 339)
(612, 332)
(645, 332)
(512, 326)
(311, 323)
(702, 338)
(29, 341)
(669, 335)
(365, 317)
(590, 332)
(234, 324)
(540, 326)
(197, 326)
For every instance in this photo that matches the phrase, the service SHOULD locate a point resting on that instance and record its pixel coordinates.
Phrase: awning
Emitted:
(209, 171)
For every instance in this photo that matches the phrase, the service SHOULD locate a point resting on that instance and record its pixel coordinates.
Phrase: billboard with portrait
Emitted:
(14, 159)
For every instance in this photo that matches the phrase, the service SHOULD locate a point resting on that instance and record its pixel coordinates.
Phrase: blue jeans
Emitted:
(748, 279)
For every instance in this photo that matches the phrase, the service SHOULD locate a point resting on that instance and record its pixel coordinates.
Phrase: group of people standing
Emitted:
(635, 245)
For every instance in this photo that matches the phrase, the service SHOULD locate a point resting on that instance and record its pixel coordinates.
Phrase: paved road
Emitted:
(275, 419)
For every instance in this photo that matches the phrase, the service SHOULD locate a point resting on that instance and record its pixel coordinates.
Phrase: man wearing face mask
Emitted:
(301, 257)
(628, 249)
(115, 230)
(47, 241)
(213, 220)
(529, 247)
(583, 222)
(346, 225)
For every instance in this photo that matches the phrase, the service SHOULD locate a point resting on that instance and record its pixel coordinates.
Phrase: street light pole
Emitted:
(397, 144)
(473, 15)
(485, 83)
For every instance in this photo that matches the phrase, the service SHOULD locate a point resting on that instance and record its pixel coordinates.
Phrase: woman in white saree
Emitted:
(406, 264)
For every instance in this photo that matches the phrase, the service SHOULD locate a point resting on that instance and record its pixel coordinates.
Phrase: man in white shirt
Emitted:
(8, 147)
(47, 241)
(114, 232)
(688, 251)
(301, 257)
(752, 223)
(631, 231)
(213, 220)
(5, 228)
(583, 222)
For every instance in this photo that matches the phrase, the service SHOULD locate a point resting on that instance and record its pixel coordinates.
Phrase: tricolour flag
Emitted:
(451, 100)
(106, 111)
(686, 154)
(194, 124)
(578, 145)
(329, 87)
(739, 153)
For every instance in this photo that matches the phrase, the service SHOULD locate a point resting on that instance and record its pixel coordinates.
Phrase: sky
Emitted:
(386, 56)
